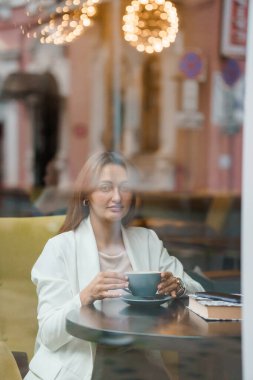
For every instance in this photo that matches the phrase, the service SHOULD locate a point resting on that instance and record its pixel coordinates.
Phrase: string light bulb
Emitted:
(66, 22)
(150, 25)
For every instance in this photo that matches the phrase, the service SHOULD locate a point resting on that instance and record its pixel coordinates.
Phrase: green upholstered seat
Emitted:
(22, 240)
(8, 366)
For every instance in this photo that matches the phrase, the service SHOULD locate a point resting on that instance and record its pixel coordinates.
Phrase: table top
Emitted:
(115, 323)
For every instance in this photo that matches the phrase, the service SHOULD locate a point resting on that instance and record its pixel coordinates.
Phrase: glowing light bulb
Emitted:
(150, 25)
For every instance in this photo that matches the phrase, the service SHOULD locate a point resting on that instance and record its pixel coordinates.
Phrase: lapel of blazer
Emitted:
(86, 254)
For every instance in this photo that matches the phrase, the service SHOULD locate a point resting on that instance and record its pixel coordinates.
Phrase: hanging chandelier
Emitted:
(150, 25)
(65, 22)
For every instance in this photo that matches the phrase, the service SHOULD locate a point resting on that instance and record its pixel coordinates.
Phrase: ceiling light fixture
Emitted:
(66, 22)
(150, 25)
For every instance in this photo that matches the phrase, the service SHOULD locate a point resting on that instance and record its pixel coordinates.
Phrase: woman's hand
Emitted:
(99, 288)
(169, 284)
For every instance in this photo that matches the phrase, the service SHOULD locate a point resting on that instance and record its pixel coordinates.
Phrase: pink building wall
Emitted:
(79, 103)
(202, 29)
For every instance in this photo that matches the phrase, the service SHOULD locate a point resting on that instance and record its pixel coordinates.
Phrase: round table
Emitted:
(170, 327)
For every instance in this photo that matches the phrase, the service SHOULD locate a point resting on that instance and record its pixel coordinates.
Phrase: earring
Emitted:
(85, 202)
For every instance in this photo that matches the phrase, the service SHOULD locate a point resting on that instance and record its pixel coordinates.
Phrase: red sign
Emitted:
(234, 27)
(238, 24)
(80, 130)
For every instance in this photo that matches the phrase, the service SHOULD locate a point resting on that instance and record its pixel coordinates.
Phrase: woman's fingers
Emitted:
(114, 286)
(109, 294)
(168, 289)
(110, 280)
(165, 276)
(115, 275)
(104, 282)
(168, 284)
(167, 279)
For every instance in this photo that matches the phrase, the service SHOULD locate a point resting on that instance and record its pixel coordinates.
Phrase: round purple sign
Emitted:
(191, 65)
(231, 72)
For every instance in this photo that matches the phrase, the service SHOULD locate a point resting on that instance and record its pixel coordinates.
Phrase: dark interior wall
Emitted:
(41, 96)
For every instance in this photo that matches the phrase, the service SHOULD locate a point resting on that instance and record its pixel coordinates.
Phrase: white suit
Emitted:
(67, 264)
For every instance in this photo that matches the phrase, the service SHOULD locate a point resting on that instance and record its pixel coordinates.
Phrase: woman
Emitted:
(86, 262)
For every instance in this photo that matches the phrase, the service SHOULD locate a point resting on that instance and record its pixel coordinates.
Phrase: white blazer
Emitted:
(67, 264)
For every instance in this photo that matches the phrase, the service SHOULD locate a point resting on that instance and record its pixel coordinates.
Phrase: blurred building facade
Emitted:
(181, 111)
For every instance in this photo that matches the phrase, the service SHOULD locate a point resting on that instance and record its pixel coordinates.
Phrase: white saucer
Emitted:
(143, 301)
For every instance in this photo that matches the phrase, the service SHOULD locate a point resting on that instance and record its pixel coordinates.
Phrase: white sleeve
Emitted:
(56, 298)
(172, 264)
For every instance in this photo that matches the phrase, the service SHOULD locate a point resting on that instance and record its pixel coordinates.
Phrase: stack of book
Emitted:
(216, 306)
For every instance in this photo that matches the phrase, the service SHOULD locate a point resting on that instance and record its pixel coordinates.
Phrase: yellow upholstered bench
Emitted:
(8, 367)
(22, 240)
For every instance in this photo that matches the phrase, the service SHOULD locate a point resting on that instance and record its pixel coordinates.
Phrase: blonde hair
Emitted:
(86, 183)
